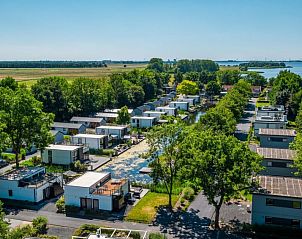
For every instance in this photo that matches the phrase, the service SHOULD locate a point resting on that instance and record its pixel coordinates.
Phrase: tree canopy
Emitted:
(221, 165)
(23, 121)
(53, 93)
(156, 64)
(187, 87)
(123, 116)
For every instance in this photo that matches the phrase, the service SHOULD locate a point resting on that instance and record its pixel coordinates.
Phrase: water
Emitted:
(129, 167)
(268, 73)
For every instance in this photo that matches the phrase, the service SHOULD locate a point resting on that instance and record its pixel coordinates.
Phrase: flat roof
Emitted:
(179, 102)
(88, 179)
(165, 107)
(108, 115)
(270, 118)
(143, 117)
(22, 173)
(116, 110)
(278, 132)
(92, 136)
(280, 186)
(154, 111)
(281, 154)
(86, 119)
(63, 147)
(272, 108)
(66, 125)
(120, 127)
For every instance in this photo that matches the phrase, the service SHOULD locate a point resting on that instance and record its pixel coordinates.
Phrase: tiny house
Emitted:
(171, 111)
(69, 128)
(276, 138)
(89, 122)
(92, 141)
(180, 105)
(142, 121)
(119, 131)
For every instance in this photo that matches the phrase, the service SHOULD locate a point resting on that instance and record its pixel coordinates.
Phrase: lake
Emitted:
(268, 73)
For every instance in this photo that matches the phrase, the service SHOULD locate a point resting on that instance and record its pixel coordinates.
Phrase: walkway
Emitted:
(245, 123)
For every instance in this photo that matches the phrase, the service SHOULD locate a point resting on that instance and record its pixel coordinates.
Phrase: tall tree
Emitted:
(156, 64)
(123, 116)
(25, 124)
(53, 93)
(9, 82)
(221, 165)
(228, 77)
(213, 88)
(219, 120)
(187, 87)
(85, 97)
(164, 141)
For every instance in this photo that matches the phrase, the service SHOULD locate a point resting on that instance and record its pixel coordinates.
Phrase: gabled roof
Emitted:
(66, 125)
(280, 186)
(278, 132)
(86, 119)
(278, 154)
(55, 132)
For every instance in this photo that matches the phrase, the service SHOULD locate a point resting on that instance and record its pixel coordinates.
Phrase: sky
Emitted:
(141, 29)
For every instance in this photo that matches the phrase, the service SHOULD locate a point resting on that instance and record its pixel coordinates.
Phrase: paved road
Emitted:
(201, 207)
(244, 125)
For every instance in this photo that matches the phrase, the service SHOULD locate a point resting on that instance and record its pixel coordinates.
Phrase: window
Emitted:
(283, 203)
(269, 164)
(282, 221)
(10, 193)
(133, 120)
(279, 164)
(277, 139)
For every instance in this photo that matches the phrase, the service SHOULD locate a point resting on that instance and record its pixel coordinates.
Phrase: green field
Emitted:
(147, 207)
(30, 75)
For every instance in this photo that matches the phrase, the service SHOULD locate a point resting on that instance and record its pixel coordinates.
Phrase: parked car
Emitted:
(3, 163)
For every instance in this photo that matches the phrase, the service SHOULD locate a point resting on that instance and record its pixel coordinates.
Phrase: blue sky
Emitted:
(141, 29)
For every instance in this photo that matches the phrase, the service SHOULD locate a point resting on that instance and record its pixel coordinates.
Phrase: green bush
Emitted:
(21, 232)
(85, 230)
(60, 204)
(96, 151)
(157, 236)
(79, 167)
(188, 193)
(40, 225)
(108, 152)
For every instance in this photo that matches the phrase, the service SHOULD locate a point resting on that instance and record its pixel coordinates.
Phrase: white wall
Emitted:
(169, 111)
(21, 193)
(109, 131)
(74, 194)
(92, 143)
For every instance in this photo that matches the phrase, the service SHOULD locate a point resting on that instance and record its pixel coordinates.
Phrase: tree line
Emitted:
(206, 155)
(51, 64)
(286, 90)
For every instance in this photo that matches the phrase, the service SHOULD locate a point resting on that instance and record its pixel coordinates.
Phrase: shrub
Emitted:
(85, 230)
(188, 193)
(60, 204)
(40, 225)
(79, 167)
(108, 152)
(21, 232)
(157, 236)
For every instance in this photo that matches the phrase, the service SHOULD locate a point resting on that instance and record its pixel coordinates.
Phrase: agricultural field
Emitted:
(30, 75)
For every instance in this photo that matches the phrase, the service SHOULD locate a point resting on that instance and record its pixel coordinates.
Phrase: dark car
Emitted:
(3, 163)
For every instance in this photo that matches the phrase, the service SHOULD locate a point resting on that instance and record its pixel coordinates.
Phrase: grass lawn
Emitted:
(146, 208)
